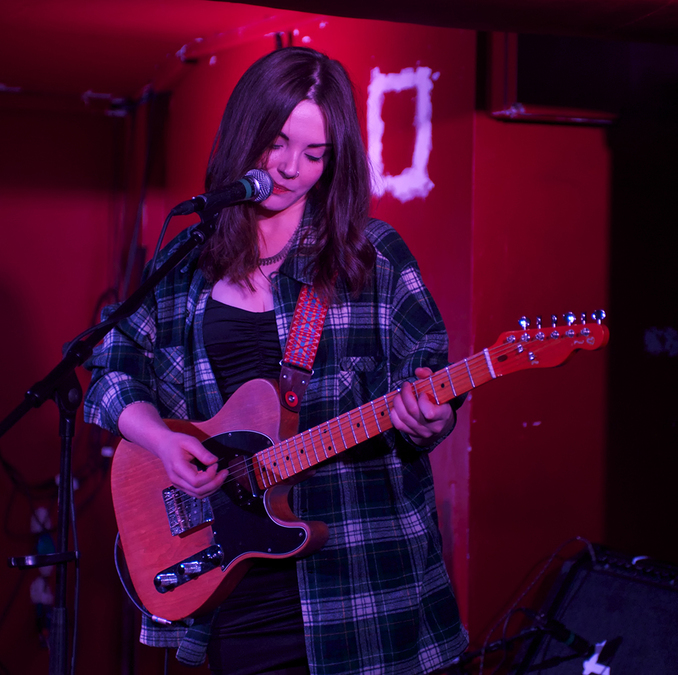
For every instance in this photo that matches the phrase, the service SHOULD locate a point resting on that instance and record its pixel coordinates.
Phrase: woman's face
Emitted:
(297, 158)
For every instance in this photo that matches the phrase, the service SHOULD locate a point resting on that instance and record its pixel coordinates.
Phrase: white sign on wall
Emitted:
(414, 180)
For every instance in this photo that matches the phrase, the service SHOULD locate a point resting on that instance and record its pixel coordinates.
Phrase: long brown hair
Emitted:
(255, 113)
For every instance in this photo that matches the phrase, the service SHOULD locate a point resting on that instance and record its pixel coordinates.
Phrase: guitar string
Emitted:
(476, 364)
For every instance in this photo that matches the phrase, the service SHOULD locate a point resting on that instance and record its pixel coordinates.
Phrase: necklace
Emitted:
(280, 255)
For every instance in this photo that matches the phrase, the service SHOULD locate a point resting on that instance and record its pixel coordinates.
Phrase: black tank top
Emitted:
(241, 346)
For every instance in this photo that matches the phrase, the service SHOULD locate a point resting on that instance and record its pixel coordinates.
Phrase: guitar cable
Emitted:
(123, 575)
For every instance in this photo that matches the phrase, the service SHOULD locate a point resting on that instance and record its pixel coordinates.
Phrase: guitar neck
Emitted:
(329, 439)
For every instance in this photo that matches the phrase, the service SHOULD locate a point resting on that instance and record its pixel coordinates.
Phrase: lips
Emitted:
(279, 189)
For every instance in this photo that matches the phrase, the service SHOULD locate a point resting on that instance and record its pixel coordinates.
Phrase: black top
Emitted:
(264, 607)
(241, 345)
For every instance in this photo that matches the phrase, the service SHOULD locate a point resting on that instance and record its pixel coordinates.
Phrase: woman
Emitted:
(376, 597)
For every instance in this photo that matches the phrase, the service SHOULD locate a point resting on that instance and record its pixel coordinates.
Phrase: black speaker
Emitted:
(625, 608)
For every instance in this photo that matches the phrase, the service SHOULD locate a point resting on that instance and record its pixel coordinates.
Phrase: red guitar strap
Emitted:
(301, 348)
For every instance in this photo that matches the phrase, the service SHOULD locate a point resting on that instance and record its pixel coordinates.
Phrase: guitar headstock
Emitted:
(546, 347)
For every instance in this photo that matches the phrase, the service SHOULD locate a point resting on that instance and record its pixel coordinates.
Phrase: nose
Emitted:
(285, 175)
(288, 167)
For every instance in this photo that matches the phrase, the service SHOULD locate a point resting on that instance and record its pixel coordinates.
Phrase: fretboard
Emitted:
(329, 439)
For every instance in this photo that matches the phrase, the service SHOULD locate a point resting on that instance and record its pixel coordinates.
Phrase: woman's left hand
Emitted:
(421, 418)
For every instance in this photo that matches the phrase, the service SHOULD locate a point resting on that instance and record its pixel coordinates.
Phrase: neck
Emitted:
(287, 220)
(276, 228)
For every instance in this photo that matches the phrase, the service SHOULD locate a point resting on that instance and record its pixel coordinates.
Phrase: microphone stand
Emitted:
(62, 385)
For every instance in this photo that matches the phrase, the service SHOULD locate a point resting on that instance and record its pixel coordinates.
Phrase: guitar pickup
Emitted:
(185, 512)
(188, 569)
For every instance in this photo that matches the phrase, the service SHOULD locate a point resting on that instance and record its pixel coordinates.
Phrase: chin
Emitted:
(276, 203)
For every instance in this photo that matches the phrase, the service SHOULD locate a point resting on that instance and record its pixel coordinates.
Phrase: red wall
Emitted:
(540, 247)
(516, 224)
(59, 177)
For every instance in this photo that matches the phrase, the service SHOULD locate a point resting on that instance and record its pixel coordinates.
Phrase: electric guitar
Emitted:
(185, 555)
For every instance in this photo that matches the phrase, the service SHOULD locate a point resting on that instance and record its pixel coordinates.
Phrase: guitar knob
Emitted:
(215, 555)
(598, 315)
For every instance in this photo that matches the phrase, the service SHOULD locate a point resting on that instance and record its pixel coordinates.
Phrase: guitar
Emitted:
(185, 555)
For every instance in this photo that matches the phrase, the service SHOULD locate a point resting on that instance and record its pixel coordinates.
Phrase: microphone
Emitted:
(255, 186)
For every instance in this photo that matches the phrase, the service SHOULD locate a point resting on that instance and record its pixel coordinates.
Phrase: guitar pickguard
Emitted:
(242, 522)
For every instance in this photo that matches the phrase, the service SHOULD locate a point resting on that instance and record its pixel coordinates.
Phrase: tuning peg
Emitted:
(554, 320)
(570, 318)
(524, 322)
(538, 321)
(598, 315)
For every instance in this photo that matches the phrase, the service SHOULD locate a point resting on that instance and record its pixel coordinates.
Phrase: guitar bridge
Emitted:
(185, 512)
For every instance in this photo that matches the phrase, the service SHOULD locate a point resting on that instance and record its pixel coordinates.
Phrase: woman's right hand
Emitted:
(180, 453)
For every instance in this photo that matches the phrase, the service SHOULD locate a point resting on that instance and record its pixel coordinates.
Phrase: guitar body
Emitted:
(243, 524)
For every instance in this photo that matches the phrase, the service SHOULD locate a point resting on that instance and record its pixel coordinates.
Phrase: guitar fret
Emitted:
(435, 393)
(350, 422)
(298, 453)
(311, 454)
(285, 458)
(332, 439)
(376, 419)
(387, 411)
(482, 373)
(301, 441)
(258, 475)
(365, 429)
(449, 377)
(315, 449)
(261, 465)
(308, 439)
(488, 360)
(470, 377)
(280, 461)
(290, 458)
(269, 475)
(321, 436)
(341, 433)
(268, 466)
(385, 397)
(321, 441)
(313, 459)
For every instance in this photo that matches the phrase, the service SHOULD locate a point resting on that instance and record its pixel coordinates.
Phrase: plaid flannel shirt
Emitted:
(376, 600)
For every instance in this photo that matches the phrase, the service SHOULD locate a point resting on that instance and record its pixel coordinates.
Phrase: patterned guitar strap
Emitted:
(301, 348)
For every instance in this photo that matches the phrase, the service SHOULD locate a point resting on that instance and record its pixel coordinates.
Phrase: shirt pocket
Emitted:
(365, 377)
